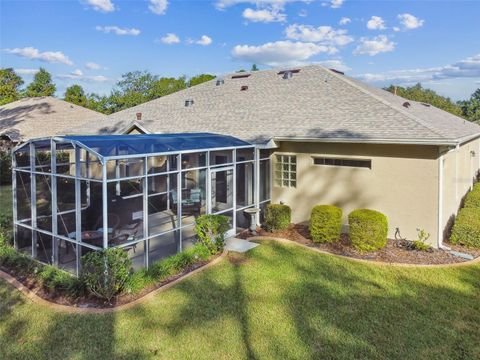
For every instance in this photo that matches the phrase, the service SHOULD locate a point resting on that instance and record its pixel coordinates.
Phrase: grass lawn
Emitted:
(276, 302)
(5, 200)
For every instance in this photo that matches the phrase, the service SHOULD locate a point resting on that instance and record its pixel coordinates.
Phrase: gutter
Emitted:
(436, 142)
(440, 202)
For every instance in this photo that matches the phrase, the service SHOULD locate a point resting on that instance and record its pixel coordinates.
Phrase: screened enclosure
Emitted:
(77, 194)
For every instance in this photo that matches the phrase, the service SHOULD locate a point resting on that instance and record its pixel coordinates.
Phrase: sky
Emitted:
(94, 42)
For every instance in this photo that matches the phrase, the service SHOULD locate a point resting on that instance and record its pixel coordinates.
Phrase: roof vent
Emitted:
(406, 104)
(293, 71)
(244, 88)
(287, 75)
(337, 71)
(220, 82)
(425, 104)
(188, 102)
(240, 76)
(139, 116)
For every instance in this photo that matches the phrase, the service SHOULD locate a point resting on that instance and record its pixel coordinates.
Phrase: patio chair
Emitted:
(191, 201)
(121, 239)
(113, 223)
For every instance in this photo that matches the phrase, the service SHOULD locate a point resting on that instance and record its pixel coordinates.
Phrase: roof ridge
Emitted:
(378, 98)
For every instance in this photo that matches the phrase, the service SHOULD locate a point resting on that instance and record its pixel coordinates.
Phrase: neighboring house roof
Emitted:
(315, 103)
(42, 116)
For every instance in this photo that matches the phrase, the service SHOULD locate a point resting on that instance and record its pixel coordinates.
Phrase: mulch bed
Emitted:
(394, 252)
(89, 301)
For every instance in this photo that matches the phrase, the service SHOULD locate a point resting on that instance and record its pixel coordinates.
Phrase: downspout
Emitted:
(440, 203)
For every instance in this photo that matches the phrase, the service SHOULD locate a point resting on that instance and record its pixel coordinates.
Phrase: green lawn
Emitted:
(277, 302)
(5, 200)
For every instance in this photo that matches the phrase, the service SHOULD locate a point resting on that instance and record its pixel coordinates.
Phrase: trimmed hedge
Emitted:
(466, 230)
(472, 199)
(277, 217)
(326, 223)
(368, 229)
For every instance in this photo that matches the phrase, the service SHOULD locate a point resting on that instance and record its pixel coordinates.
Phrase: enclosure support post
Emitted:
(14, 200)
(179, 201)
(234, 191)
(78, 210)
(33, 196)
(104, 206)
(146, 244)
(53, 171)
(256, 183)
(208, 193)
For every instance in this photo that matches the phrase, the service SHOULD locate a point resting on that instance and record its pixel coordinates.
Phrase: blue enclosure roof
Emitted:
(138, 144)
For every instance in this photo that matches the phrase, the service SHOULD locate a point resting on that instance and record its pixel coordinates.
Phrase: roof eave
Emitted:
(434, 142)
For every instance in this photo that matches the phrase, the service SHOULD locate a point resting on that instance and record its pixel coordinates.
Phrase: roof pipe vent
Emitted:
(406, 104)
(220, 82)
(244, 88)
(139, 116)
(287, 75)
(188, 102)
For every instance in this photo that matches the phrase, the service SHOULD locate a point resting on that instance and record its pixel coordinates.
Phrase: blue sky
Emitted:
(93, 42)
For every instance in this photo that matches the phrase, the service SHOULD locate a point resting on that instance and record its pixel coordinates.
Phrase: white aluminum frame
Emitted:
(78, 177)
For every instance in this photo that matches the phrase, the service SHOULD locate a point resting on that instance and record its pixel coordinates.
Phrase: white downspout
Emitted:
(440, 203)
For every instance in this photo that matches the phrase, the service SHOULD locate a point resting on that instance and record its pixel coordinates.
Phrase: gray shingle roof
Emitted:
(42, 116)
(314, 103)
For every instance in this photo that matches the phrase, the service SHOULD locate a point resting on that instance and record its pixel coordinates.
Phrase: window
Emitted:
(343, 162)
(286, 170)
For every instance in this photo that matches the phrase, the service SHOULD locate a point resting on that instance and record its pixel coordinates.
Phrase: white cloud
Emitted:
(158, 7)
(223, 4)
(101, 5)
(466, 68)
(344, 21)
(321, 34)
(336, 64)
(396, 29)
(118, 30)
(303, 13)
(78, 75)
(204, 40)
(373, 46)
(92, 66)
(410, 22)
(26, 71)
(376, 23)
(335, 4)
(46, 56)
(170, 38)
(280, 52)
(264, 15)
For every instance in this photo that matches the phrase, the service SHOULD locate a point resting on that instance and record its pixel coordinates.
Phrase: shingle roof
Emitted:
(42, 116)
(314, 103)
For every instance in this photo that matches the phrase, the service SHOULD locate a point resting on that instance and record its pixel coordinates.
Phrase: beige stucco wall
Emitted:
(460, 169)
(403, 183)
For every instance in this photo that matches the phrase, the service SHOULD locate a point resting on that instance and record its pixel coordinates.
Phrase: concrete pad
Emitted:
(239, 245)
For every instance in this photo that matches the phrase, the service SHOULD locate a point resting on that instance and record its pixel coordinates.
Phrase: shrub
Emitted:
(325, 223)
(53, 278)
(6, 226)
(368, 229)
(466, 230)
(210, 230)
(277, 217)
(421, 243)
(472, 199)
(105, 272)
(138, 281)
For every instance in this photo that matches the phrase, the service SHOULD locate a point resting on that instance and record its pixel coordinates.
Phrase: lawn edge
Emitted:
(32, 295)
(364, 261)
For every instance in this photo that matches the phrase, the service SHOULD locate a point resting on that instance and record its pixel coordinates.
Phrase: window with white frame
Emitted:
(286, 170)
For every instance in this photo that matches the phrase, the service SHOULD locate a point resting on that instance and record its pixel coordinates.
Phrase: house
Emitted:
(36, 117)
(331, 140)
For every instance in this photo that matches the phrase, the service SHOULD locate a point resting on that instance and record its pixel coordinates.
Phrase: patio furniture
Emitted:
(191, 201)
(113, 223)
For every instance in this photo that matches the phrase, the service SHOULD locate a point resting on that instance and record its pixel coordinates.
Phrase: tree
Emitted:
(254, 67)
(418, 93)
(41, 85)
(196, 80)
(75, 95)
(166, 86)
(10, 83)
(471, 107)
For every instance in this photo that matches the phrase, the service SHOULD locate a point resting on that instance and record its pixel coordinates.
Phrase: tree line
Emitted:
(137, 87)
(132, 89)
